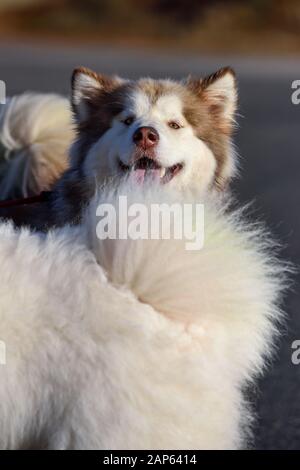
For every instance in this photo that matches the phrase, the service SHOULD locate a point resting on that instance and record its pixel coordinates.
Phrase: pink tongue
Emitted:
(139, 175)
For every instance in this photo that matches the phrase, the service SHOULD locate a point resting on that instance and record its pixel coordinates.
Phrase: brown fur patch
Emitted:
(155, 89)
(206, 116)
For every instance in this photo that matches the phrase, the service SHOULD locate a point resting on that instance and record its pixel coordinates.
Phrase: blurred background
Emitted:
(41, 41)
(253, 26)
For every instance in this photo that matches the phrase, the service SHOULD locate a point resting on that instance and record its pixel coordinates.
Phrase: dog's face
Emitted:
(175, 132)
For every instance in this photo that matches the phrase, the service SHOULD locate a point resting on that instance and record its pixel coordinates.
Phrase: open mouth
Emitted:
(146, 167)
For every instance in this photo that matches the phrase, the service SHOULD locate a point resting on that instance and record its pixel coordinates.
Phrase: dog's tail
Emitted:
(35, 133)
(230, 284)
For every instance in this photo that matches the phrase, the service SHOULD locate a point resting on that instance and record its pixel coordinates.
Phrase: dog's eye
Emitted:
(174, 125)
(128, 121)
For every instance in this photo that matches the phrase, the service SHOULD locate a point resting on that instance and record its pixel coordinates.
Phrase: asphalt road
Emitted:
(268, 141)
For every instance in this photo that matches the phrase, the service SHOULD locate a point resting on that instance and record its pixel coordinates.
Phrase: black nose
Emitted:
(145, 137)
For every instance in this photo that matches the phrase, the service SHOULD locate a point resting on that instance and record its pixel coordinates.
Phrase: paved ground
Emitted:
(268, 142)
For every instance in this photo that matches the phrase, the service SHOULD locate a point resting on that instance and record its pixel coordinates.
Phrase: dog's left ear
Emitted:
(87, 86)
(219, 90)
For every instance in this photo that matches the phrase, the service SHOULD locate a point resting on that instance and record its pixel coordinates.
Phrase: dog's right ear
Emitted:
(87, 86)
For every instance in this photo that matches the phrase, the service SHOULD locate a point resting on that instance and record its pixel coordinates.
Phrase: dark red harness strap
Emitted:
(24, 201)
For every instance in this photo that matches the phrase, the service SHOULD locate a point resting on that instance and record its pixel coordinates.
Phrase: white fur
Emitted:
(36, 130)
(122, 344)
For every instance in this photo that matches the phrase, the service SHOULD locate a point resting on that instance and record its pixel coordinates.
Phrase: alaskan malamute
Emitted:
(176, 132)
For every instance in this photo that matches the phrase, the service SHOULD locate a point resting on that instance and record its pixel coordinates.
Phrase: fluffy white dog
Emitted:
(133, 344)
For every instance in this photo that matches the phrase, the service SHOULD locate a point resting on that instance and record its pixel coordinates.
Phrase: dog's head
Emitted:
(177, 132)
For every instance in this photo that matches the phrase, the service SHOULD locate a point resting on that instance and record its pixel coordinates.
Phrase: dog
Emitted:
(134, 343)
(179, 133)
